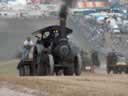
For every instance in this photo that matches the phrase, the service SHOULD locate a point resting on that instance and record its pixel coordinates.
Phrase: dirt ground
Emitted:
(87, 85)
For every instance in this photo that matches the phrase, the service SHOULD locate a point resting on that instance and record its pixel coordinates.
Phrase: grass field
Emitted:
(8, 67)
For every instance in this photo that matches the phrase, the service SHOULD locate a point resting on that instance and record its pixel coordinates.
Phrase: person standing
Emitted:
(111, 59)
(28, 44)
(95, 58)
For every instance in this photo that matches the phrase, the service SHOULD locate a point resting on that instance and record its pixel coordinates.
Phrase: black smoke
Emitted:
(70, 3)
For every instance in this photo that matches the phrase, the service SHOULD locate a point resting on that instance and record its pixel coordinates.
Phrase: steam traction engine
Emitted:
(53, 53)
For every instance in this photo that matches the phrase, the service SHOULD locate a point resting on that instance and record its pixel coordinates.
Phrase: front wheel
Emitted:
(78, 65)
(50, 65)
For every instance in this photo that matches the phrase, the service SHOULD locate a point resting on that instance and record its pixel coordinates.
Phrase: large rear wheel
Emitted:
(24, 71)
(46, 66)
(27, 70)
(21, 71)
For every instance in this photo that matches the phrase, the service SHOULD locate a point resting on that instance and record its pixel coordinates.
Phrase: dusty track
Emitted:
(86, 85)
